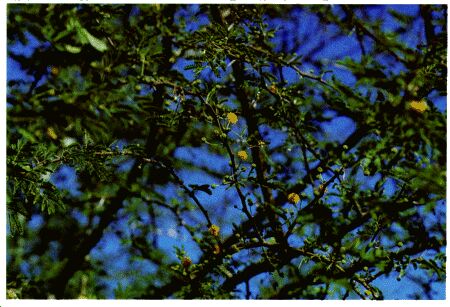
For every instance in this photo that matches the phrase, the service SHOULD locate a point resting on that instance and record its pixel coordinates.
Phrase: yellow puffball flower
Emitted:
(214, 230)
(51, 133)
(232, 118)
(243, 155)
(216, 249)
(293, 198)
(418, 106)
(54, 70)
(273, 88)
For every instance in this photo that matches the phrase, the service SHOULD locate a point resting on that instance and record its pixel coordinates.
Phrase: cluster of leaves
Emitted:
(319, 215)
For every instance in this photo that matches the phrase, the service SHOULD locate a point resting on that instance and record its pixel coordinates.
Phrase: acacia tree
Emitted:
(228, 122)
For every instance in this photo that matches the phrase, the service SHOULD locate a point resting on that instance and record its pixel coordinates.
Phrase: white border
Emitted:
(3, 158)
(237, 1)
(20, 303)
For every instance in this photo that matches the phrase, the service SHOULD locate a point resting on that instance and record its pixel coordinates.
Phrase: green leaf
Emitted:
(27, 135)
(72, 49)
(95, 42)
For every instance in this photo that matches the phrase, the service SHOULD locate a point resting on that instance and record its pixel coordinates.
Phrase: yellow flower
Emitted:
(186, 262)
(418, 106)
(54, 70)
(273, 88)
(216, 249)
(293, 198)
(242, 154)
(51, 133)
(232, 118)
(214, 230)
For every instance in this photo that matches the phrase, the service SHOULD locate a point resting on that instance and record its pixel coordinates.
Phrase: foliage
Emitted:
(228, 123)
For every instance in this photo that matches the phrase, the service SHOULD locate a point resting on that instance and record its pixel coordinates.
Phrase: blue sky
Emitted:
(110, 250)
